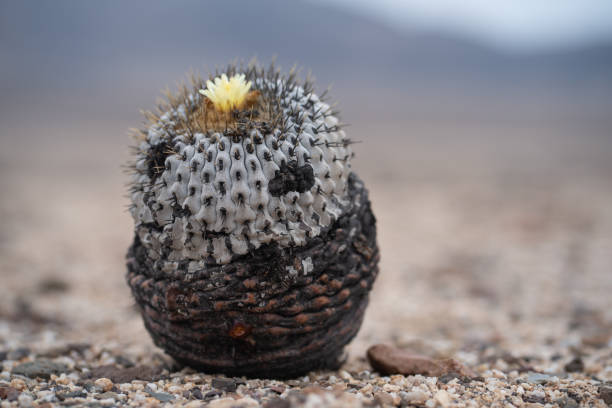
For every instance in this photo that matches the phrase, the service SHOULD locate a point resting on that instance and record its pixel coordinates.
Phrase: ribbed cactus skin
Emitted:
(218, 194)
(251, 317)
(255, 244)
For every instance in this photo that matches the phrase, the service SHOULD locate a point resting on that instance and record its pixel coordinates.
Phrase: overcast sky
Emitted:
(523, 25)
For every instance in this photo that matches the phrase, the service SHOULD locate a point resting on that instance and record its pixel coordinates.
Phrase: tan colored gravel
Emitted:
(506, 272)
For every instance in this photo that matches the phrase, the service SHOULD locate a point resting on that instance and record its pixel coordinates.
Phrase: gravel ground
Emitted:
(508, 274)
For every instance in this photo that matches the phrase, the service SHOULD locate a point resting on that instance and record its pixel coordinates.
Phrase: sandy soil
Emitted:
(495, 253)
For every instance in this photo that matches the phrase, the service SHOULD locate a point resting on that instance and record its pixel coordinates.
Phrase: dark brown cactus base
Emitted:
(277, 312)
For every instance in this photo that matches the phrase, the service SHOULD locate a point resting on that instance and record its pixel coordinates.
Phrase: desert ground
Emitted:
(495, 239)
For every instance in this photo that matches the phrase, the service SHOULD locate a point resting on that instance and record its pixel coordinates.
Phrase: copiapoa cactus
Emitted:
(255, 245)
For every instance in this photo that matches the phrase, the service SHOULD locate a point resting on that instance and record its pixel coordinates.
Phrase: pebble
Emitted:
(605, 393)
(39, 368)
(162, 396)
(538, 378)
(104, 384)
(121, 375)
(103, 402)
(538, 394)
(25, 400)
(18, 354)
(82, 386)
(107, 395)
(566, 402)
(575, 366)
(70, 394)
(383, 398)
(18, 384)
(367, 389)
(224, 384)
(390, 388)
(8, 393)
(442, 398)
(392, 360)
(414, 397)
(197, 393)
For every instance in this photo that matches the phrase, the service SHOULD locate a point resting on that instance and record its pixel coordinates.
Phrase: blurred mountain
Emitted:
(126, 51)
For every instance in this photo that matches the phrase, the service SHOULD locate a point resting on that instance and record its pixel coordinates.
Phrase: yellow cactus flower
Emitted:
(227, 94)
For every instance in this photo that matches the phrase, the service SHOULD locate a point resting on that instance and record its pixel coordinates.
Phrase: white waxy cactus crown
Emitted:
(211, 184)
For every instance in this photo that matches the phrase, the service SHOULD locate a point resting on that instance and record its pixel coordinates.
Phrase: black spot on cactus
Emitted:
(291, 177)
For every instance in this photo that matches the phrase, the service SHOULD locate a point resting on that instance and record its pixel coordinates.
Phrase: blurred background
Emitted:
(486, 143)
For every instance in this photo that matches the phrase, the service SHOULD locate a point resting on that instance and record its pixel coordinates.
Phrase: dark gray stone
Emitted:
(40, 368)
(224, 384)
(18, 354)
(70, 394)
(605, 393)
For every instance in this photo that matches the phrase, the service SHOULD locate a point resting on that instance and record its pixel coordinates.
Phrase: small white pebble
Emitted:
(45, 395)
(125, 387)
(499, 374)
(442, 398)
(25, 400)
(107, 402)
(174, 389)
(65, 360)
(138, 396)
(414, 397)
(432, 380)
(493, 385)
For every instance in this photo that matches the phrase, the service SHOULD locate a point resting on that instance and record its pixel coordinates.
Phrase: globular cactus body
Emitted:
(255, 245)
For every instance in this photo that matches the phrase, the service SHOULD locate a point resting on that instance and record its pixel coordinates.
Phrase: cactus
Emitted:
(255, 246)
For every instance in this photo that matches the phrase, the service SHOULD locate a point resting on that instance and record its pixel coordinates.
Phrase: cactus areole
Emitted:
(255, 245)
